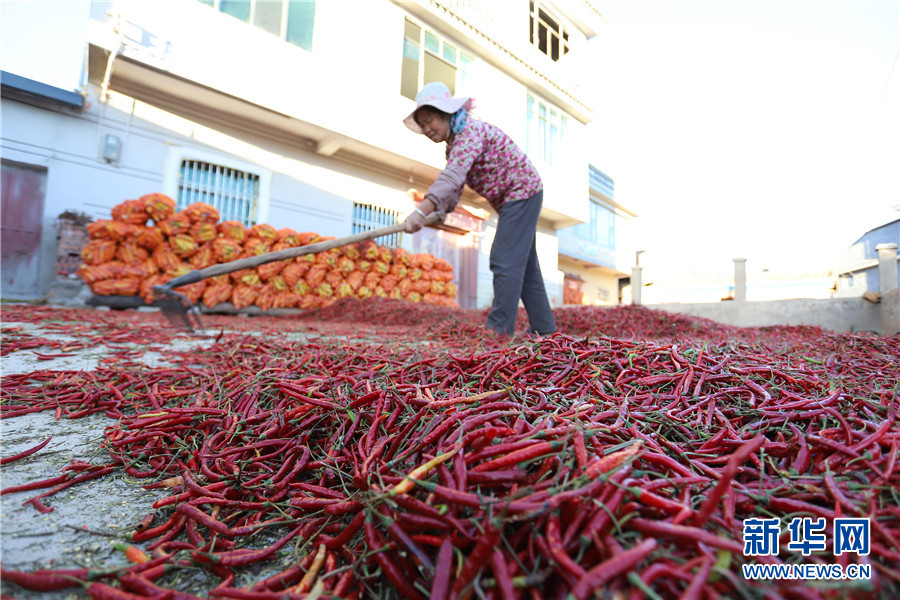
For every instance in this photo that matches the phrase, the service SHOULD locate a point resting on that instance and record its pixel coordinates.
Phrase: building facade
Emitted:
(857, 270)
(288, 113)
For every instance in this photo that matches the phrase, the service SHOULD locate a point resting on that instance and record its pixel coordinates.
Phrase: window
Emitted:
(546, 131)
(367, 217)
(291, 20)
(600, 229)
(427, 57)
(234, 193)
(546, 32)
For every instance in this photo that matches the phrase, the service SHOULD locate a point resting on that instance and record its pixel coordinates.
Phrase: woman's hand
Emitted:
(414, 222)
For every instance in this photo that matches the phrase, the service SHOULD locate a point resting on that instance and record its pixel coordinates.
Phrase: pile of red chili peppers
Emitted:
(618, 457)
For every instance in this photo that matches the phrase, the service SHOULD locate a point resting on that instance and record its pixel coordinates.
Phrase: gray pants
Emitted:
(517, 274)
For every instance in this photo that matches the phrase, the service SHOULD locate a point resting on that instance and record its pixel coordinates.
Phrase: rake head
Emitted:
(177, 308)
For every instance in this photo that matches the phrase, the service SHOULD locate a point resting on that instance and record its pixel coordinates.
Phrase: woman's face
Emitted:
(435, 126)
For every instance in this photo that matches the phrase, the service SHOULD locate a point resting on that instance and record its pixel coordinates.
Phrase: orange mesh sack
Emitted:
(204, 231)
(101, 229)
(264, 231)
(288, 236)
(270, 270)
(194, 291)
(158, 206)
(421, 287)
(441, 264)
(389, 282)
(287, 300)
(254, 246)
(183, 245)
(201, 212)
(316, 274)
(405, 287)
(310, 301)
(149, 238)
(165, 259)
(293, 272)
(226, 249)
(352, 251)
(399, 271)
(379, 292)
(385, 255)
(334, 277)
(364, 265)
(94, 273)
(414, 297)
(216, 293)
(130, 211)
(233, 230)
(382, 267)
(329, 257)
(265, 297)
(344, 290)
(122, 286)
(324, 290)
(346, 264)
(205, 257)
(177, 223)
(279, 284)
(450, 290)
(302, 288)
(308, 237)
(249, 277)
(437, 287)
(141, 270)
(363, 292)
(415, 274)
(96, 252)
(146, 289)
(243, 296)
(355, 279)
(401, 256)
(369, 250)
(372, 279)
(131, 254)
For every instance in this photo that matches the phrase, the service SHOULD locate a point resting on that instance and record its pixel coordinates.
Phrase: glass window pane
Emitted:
(268, 15)
(465, 62)
(438, 70)
(412, 31)
(450, 53)
(301, 17)
(207, 2)
(410, 50)
(236, 8)
(432, 43)
(409, 78)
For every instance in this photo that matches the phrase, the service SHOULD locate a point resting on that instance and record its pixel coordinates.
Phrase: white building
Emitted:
(285, 112)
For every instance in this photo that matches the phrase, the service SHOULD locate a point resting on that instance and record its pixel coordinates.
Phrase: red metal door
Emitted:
(21, 211)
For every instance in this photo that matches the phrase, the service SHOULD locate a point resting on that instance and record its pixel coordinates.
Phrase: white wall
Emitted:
(44, 40)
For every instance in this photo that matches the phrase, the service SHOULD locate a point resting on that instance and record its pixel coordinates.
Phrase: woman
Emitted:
(481, 155)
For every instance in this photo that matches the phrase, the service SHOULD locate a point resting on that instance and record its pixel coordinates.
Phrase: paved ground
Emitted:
(88, 518)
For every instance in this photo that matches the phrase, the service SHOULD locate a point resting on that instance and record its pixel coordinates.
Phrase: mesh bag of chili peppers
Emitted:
(168, 243)
(634, 454)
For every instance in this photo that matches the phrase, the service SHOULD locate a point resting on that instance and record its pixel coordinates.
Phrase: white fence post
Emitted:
(740, 279)
(887, 267)
(636, 285)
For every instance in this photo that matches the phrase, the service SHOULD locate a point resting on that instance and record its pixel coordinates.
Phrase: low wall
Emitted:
(837, 314)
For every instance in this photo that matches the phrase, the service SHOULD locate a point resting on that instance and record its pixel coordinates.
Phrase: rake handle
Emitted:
(287, 253)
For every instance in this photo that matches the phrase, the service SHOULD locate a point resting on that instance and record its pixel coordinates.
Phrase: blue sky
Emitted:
(767, 129)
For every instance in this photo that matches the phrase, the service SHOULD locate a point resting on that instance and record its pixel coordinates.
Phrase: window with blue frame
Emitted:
(545, 134)
(291, 20)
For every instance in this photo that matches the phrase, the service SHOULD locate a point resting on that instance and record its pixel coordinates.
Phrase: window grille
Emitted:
(234, 193)
(367, 217)
(547, 33)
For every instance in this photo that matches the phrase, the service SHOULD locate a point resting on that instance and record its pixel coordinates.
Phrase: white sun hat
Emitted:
(435, 94)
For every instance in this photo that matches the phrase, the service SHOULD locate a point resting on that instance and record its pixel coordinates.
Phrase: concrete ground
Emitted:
(87, 518)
